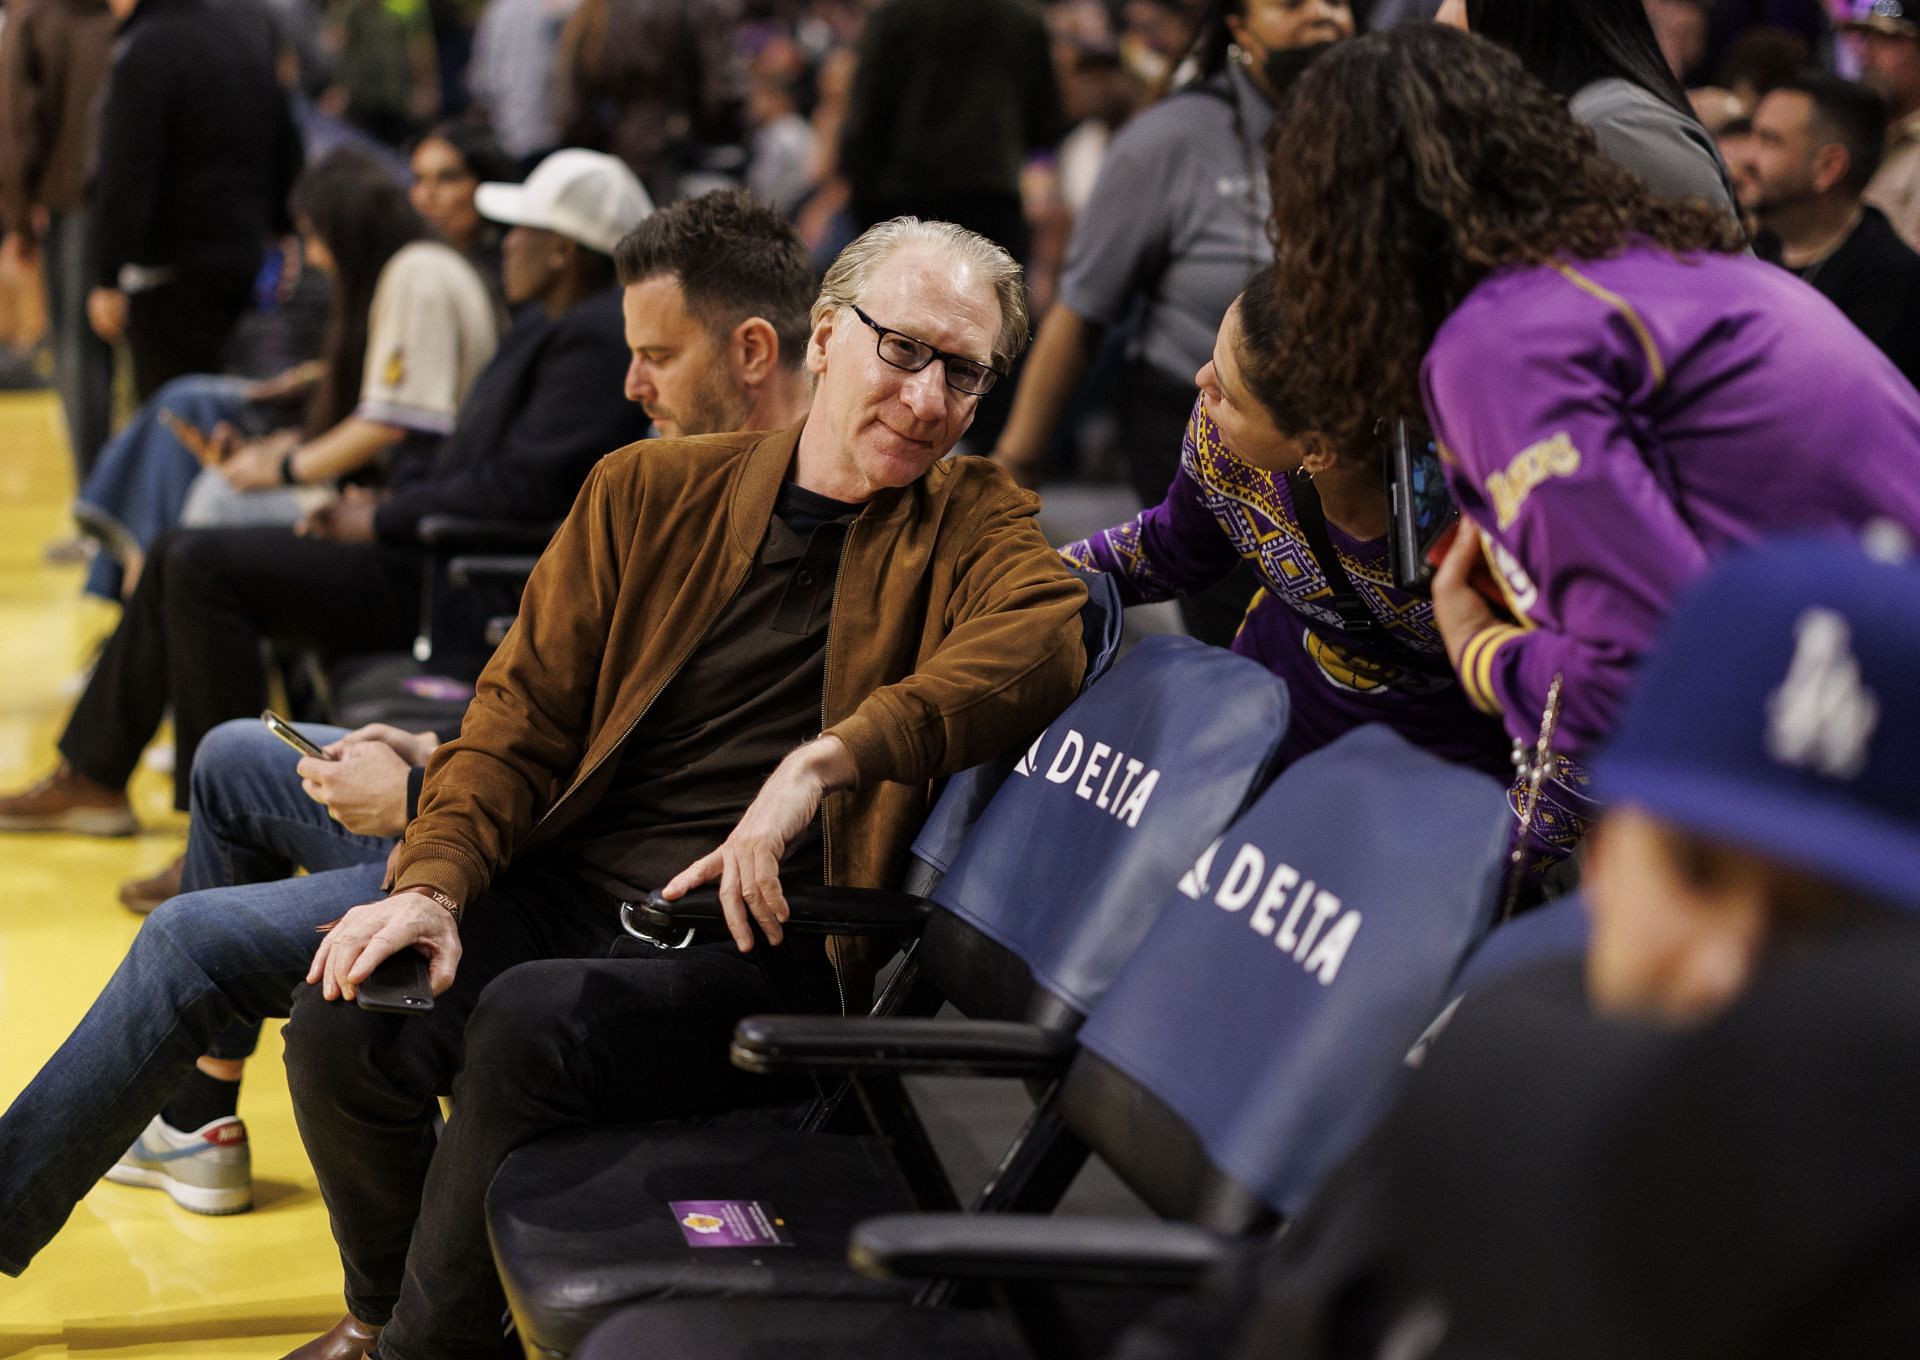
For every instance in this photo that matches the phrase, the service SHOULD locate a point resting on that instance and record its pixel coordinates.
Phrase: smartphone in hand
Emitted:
(400, 986)
(1420, 510)
(284, 730)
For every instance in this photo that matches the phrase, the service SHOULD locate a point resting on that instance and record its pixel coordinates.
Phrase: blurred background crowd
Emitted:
(842, 112)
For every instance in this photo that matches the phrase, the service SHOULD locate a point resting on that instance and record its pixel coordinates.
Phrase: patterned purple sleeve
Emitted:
(1589, 548)
(1171, 551)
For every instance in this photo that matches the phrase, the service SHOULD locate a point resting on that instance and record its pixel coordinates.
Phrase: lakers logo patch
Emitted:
(1509, 489)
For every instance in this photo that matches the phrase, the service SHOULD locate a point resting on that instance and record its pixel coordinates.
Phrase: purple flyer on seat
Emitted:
(729, 1223)
(437, 688)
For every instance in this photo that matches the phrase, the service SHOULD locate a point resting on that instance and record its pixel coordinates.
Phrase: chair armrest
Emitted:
(1142, 1253)
(457, 533)
(773, 1044)
(812, 910)
(464, 569)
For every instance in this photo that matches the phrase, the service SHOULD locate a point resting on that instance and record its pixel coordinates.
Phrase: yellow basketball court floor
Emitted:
(131, 1276)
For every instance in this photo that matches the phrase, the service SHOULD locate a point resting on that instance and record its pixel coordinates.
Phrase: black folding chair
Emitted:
(1036, 914)
(1249, 1043)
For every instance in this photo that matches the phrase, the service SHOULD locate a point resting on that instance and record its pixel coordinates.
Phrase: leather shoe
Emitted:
(142, 895)
(68, 801)
(350, 1339)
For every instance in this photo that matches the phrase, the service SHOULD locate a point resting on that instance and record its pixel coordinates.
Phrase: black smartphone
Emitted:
(399, 986)
(1419, 507)
(283, 729)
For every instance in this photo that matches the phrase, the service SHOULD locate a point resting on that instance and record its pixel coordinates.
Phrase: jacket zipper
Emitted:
(826, 820)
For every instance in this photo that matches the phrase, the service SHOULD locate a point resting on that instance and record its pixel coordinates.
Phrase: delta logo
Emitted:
(1299, 916)
(1110, 779)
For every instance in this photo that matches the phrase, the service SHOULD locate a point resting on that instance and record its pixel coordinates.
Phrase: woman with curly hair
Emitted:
(1310, 521)
(1620, 397)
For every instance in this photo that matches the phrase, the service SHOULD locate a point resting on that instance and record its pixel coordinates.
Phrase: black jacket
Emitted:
(539, 416)
(198, 148)
(1875, 279)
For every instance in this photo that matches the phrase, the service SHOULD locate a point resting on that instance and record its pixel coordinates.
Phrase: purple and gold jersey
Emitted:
(1220, 511)
(1614, 426)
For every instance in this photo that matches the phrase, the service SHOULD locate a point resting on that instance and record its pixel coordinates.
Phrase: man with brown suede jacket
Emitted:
(744, 659)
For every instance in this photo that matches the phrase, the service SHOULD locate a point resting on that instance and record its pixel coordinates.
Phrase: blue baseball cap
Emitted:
(1894, 18)
(1780, 713)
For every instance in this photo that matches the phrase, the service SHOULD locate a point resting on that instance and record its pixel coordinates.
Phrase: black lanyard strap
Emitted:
(1355, 617)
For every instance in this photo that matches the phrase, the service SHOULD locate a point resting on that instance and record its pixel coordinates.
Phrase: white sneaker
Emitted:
(208, 1171)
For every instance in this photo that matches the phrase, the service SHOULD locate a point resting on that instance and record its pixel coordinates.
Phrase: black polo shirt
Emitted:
(748, 695)
(1874, 277)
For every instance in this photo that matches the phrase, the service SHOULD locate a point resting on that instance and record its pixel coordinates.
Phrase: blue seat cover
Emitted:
(1110, 804)
(967, 794)
(1558, 930)
(1273, 1003)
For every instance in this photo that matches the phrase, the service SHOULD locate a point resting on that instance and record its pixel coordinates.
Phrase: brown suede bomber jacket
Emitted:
(955, 636)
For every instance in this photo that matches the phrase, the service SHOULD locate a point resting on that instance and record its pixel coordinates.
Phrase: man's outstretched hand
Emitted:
(748, 863)
(369, 935)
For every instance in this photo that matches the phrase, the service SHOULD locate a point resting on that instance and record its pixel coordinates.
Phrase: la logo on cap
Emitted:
(1822, 717)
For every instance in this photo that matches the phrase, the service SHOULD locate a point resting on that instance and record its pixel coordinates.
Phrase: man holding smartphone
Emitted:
(743, 660)
(174, 1026)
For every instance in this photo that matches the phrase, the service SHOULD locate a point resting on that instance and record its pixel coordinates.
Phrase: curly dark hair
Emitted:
(1408, 166)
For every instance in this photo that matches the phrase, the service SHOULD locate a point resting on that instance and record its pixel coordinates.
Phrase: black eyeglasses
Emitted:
(910, 356)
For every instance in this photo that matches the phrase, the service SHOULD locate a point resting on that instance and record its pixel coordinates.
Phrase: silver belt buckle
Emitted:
(627, 924)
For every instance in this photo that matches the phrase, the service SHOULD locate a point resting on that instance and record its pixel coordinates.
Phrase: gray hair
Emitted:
(847, 277)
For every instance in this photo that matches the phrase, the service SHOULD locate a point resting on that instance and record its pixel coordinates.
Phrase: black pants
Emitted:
(191, 636)
(183, 326)
(1154, 411)
(539, 1032)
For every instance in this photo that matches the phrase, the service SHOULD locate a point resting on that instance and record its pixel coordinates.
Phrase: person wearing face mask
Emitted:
(1176, 222)
(1246, 492)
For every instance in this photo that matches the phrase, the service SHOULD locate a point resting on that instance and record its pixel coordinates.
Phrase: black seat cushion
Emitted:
(581, 1223)
(399, 690)
(801, 1330)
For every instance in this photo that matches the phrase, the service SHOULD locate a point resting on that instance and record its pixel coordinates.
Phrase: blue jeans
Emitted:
(139, 483)
(252, 824)
(204, 971)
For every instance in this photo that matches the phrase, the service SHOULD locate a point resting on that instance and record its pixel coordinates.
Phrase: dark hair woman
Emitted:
(449, 164)
(1247, 491)
(1619, 396)
(1174, 225)
(1601, 56)
(354, 217)
(411, 326)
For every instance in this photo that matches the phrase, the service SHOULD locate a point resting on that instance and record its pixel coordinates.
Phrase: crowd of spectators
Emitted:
(579, 361)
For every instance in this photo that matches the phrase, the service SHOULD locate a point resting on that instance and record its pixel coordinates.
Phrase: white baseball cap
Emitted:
(586, 196)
